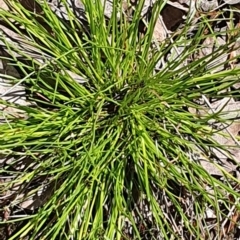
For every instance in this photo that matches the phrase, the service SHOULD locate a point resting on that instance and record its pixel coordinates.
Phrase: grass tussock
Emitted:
(109, 134)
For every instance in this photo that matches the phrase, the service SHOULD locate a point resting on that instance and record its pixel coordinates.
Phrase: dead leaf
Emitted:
(159, 33)
(230, 111)
(207, 6)
(231, 2)
(3, 5)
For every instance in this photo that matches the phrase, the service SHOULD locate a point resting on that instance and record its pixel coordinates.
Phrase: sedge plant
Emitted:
(108, 134)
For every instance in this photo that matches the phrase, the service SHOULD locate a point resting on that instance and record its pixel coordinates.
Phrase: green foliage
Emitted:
(119, 136)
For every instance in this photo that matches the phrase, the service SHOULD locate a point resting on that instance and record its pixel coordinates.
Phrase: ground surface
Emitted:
(171, 20)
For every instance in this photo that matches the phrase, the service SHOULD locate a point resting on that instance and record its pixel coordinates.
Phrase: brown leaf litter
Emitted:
(171, 19)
